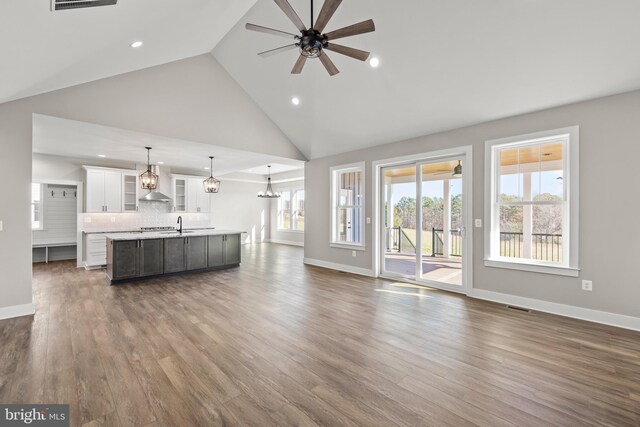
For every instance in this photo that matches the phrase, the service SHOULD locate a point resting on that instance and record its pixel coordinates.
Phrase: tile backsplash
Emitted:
(150, 214)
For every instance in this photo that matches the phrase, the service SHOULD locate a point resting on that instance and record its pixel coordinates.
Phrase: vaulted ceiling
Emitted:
(444, 64)
(41, 50)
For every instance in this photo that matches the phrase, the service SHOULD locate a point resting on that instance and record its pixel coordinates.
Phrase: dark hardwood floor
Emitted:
(279, 343)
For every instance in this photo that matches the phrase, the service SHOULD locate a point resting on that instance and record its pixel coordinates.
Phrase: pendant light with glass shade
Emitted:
(211, 185)
(148, 179)
(269, 193)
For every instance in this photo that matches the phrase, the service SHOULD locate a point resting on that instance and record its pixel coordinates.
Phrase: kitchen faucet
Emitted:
(180, 222)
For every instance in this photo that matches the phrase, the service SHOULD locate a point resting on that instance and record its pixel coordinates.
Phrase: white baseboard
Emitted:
(340, 267)
(285, 242)
(606, 318)
(17, 311)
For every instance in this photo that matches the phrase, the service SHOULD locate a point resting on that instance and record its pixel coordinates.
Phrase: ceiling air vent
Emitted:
(77, 4)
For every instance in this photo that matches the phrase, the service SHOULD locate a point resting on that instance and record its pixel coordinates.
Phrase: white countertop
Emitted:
(137, 230)
(169, 234)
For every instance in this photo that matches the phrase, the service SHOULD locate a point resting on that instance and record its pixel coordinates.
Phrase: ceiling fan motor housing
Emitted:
(311, 43)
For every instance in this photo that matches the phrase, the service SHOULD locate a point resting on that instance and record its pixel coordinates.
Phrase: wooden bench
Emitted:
(48, 245)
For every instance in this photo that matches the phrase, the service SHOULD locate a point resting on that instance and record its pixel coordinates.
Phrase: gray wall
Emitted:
(609, 203)
(238, 207)
(59, 168)
(193, 99)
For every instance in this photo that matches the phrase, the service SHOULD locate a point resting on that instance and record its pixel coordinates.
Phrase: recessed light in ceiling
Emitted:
(161, 163)
(101, 155)
(374, 62)
(295, 100)
(136, 44)
(206, 168)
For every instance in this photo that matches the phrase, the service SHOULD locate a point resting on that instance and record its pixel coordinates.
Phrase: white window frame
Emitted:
(294, 208)
(570, 265)
(292, 191)
(41, 203)
(335, 171)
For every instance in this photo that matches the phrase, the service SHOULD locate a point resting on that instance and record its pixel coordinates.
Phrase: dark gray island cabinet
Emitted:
(132, 256)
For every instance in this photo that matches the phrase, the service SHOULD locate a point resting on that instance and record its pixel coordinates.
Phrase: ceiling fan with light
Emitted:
(456, 172)
(312, 42)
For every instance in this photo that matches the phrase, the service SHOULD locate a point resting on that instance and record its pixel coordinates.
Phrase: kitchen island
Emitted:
(139, 255)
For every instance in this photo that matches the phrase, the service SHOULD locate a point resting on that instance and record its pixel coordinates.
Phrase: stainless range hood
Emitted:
(155, 195)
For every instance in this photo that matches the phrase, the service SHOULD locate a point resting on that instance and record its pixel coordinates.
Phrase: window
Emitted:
(532, 210)
(347, 183)
(297, 213)
(291, 210)
(284, 211)
(36, 207)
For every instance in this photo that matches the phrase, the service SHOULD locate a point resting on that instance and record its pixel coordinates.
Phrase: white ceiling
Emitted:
(70, 138)
(42, 50)
(444, 64)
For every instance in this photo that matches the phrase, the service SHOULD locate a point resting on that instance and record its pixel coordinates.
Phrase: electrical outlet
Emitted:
(353, 253)
(478, 223)
(587, 285)
(368, 220)
(87, 220)
(1, 226)
(113, 219)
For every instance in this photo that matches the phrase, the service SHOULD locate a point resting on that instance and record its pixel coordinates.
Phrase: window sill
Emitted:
(535, 268)
(284, 230)
(354, 247)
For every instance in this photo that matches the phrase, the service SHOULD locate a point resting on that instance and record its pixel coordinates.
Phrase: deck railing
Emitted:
(437, 244)
(544, 246)
(397, 240)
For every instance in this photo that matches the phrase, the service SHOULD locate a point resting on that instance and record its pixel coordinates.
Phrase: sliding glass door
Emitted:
(423, 223)
(399, 240)
(441, 225)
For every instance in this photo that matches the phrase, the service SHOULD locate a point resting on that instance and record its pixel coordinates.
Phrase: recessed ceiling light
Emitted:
(161, 163)
(295, 100)
(136, 44)
(207, 168)
(374, 62)
(101, 155)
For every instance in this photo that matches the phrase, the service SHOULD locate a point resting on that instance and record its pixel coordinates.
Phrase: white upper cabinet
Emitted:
(130, 192)
(95, 191)
(192, 195)
(189, 195)
(179, 194)
(110, 190)
(203, 199)
(198, 199)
